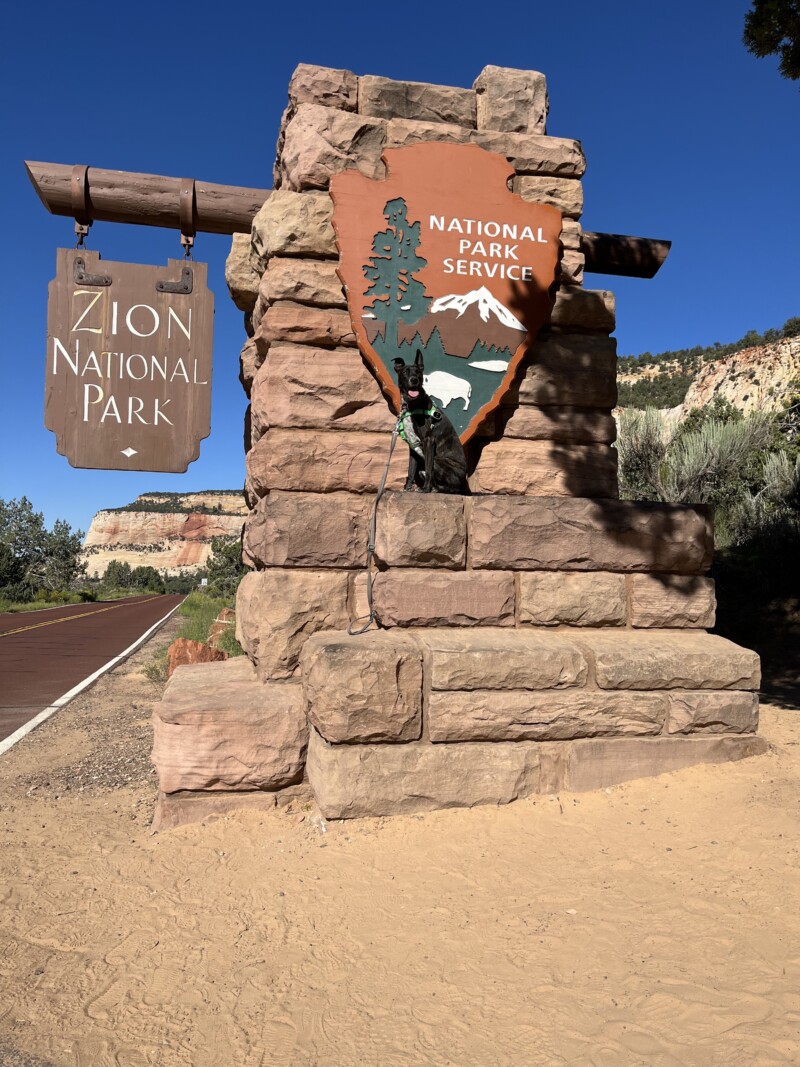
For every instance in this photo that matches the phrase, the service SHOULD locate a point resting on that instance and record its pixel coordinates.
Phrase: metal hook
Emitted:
(187, 210)
(79, 195)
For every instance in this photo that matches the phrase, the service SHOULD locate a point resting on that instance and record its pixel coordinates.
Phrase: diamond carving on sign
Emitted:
(129, 452)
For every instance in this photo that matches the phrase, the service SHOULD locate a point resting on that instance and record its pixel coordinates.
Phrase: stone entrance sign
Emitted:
(440, 256)
(128, 381)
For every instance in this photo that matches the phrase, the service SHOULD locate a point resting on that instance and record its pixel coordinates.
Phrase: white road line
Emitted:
(37, 720)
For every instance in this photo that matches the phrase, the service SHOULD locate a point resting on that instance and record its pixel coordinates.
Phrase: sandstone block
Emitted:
(218, 728)
(323, 462)
(511, 100)
(182, 809)
(298, 323)
(443, 598)
(278, 610)
(322, 141)
(402, 132)
(502, 659)
(579, 426)
(556, 598)
(308, 530)
(571, 534)
(183, 652)
(305, 281)
(421, 530)
(584, 309)
(712, 713)
(363, 689)
(531, 153)
(578, 370)
(240, 277)
(249, 362)
(385, 98)
(487, 715)
(597, 764)
(294, 224)
(546, 468)
(564, 193)
(571, 266)
(667, 600)
(323, 85)
(351, 781)
(571, 232)
(300, 387)
(669, 659)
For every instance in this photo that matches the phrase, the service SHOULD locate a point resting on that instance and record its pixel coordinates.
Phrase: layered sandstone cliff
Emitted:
(169, 531)
(755, 379)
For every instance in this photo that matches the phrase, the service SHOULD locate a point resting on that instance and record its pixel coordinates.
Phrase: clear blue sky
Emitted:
(687, 136)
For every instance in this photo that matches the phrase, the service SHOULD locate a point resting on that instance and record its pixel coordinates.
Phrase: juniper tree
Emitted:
(772, 27)
(395, 295)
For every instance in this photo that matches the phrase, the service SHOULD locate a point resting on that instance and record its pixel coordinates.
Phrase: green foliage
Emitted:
(224, 567)
(33, 557)
(200, 610)
(117, 575)
(660, 391)
(395, 295)
(172, 503)
(772, 27)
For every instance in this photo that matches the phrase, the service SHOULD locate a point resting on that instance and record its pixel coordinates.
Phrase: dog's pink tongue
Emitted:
(413, 393)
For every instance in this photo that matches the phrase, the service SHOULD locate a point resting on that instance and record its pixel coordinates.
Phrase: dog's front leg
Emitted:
(413, 467)
(429, 457)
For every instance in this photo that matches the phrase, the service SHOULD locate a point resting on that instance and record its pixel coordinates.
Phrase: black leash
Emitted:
(371, 540)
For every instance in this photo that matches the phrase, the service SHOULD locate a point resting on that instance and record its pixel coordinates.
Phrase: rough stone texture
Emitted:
(183, 809)
(321, 141)
(531, 153)
(545, 468)
(502, 659)
(578, 370)
(597, 764)
(220, 626)
(402, 132)
(443, 598)
(669, 659)
(421, 530)
(568, 533)
(308, 530)
(295, 224)
(240, 277)
(713, 713)
(277, 611)
(218, 728)
(672, 600)
(306, 281)
(363, 689)
(323, 85)
(564, 193)
(571, 267)
(553, 598)
(249, 362)
(288, 321)
(350, 781)
(578, 426)
(385, 98)
(300, 387)
(183, 652)
(571, 232)
(486, 715)
(584, 309)
(323, 462)
(511, 100)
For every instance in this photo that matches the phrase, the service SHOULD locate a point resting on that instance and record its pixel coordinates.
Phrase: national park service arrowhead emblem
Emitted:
(440, 256)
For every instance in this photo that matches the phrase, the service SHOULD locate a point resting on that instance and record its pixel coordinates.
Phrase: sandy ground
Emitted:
(656, 924)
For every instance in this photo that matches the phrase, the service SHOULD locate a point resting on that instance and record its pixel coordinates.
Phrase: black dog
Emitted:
(436, 460)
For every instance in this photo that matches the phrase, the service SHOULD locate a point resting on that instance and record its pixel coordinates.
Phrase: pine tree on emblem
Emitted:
(395, 295)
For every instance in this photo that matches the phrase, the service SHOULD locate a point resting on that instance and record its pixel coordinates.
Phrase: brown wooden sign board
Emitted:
(128, 381)
(441, 257)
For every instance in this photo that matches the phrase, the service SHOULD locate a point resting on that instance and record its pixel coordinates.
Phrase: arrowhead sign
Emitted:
(440, 256)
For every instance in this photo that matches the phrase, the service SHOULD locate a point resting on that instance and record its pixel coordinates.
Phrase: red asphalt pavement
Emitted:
(44, 654)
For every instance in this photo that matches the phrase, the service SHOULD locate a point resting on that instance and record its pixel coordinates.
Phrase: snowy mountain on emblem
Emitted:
(487, 305)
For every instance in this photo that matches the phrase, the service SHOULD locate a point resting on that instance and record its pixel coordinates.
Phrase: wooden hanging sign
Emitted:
(128, 380)
(441, 257)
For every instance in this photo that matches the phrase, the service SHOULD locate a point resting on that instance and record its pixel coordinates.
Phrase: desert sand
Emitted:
(655, 924)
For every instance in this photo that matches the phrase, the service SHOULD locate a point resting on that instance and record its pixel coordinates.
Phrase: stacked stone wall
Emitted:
(539, 634)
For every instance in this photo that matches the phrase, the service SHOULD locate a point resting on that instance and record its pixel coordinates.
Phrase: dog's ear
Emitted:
(418, 360)
(398, 364)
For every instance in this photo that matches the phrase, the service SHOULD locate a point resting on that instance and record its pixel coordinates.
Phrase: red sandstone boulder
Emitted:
(183, 653)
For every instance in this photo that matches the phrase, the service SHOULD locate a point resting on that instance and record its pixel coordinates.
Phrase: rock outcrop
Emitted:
(169, 531)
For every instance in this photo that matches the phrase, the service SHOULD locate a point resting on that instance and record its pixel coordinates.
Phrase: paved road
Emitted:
(44, 654)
